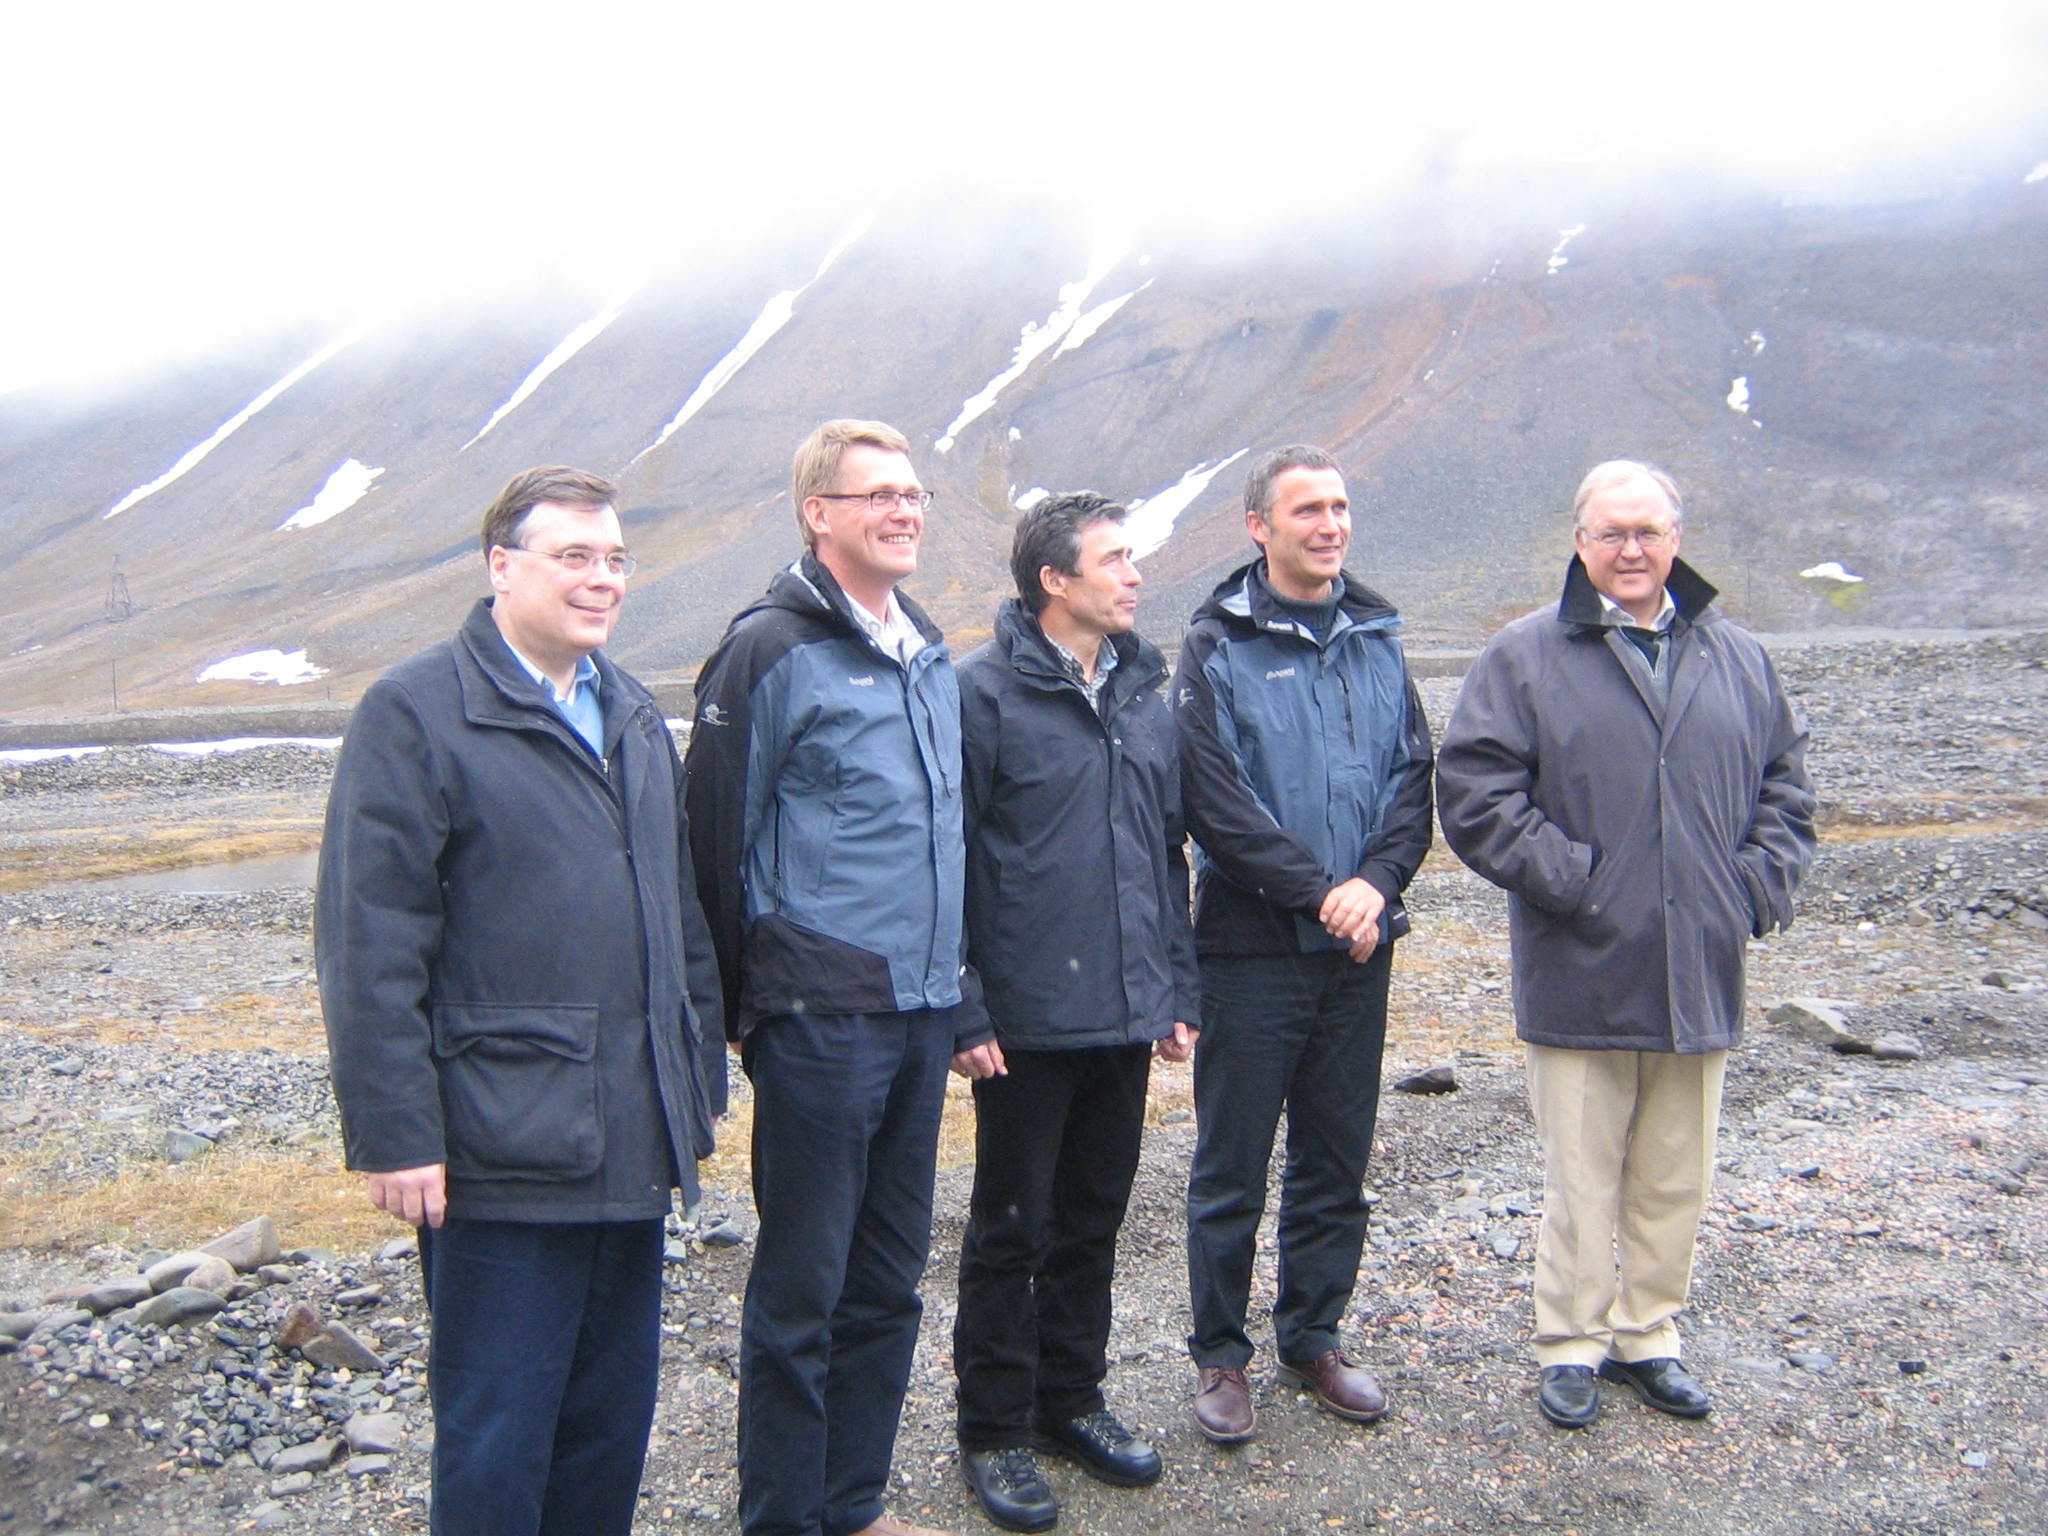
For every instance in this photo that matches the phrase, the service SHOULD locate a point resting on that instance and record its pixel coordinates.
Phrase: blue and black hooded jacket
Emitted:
(1304, 762)
(824, 797)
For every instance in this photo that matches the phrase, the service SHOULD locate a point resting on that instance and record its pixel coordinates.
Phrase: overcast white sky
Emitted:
(177, 175)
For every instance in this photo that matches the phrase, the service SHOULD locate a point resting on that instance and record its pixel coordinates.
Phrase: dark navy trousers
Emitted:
(544, 1357)
(1304, 1033)
(846, 1128)
(1055, 1150)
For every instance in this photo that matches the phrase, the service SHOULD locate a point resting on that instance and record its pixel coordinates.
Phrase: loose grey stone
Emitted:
(1757, 1366)
(180, 1304)
(338, 1349)
(250, 1246)
(1821, 1020)
(1912, 1367)
(51, 1322)
(167, 1272)
(19, 1325)
(1442, 1078)
(264, 1448)
(181, 1145)
(1753, 1221)
(291, 1483)
(70, 1066)
(1898, 1047)
(1812, 1360)
(1171, 1117)
(268, 1516)
(125, 1292)
(1505, 1245)
(359, 1296)
(1976, 1461)
(212, 1274)
(310, 1457)
(723, 1232)
(373, 1432)
(367, 1466)
(399, 1248)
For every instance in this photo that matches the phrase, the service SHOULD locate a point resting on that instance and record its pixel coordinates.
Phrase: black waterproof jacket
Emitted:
(516, 976)
(1077, 876)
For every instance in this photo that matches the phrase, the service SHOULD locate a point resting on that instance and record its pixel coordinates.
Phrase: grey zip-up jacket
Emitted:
(824, 795)
(515, 973)
(1642, 840)
(1077, 878)
(1304, 762)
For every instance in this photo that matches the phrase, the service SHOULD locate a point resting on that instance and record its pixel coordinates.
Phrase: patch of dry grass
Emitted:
(315, 1202)
(287, 1020)
(2026, 816)
(94, 853)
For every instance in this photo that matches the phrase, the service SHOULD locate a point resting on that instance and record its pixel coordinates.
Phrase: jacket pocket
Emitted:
(519, 1089)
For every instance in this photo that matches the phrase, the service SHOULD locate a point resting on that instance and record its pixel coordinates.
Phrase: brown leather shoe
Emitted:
(896, 1525)
(1223, 1406)
(1341, 1387)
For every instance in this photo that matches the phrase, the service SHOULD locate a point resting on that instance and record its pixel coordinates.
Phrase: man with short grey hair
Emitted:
(1626, 765)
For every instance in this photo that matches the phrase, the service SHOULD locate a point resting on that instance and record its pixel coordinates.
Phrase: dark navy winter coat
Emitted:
(516, 976)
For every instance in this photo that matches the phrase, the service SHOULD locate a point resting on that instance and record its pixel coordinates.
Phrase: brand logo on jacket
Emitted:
(1279, 672)
(711, 714)
(863, 682)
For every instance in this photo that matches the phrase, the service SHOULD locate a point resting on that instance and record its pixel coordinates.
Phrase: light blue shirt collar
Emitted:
(581, 707)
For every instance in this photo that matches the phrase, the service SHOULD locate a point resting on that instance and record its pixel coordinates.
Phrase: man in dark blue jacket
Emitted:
(1305, 766)
(523, 1016)
(825, 811)
(1082, 960)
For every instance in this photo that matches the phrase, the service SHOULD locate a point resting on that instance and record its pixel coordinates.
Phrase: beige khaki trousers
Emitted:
(1628, 1159)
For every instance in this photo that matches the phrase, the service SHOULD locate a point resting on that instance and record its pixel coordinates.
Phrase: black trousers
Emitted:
(1056, 1148)
(846, 1130)
(1303, 1032)
(544, 1356)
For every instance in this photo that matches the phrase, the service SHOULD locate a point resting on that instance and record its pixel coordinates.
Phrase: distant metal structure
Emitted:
(120, 606)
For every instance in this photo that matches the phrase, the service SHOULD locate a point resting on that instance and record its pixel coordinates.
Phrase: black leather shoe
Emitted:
(1663, 1383)
(1011, 1492)
(1568, 1395)
(1106, 1450)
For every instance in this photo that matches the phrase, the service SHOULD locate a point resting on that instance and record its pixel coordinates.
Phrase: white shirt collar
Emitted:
(1615, 614)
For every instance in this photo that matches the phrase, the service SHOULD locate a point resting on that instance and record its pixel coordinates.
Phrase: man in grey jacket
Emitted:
(522, 1014)
(1627, 767)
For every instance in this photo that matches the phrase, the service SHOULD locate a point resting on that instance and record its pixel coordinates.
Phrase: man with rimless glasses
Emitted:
(1627, 767)
(825, 803)
(523, 1014)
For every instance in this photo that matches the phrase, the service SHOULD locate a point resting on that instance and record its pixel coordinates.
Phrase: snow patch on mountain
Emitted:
(273, 666)
(775, 314)
(1152, 517)
(233, 424)
(565, 349)
(349, 483)
(1040, 337)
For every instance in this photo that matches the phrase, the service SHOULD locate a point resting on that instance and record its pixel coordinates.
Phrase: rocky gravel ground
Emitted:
(1867, 1305)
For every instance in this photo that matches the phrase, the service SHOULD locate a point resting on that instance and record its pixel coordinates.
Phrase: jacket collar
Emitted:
(807, 587)
(1024, 645)
(1244, 598)
(1691, 594)
(496, 690)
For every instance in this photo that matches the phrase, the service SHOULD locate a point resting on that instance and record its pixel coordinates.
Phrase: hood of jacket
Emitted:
(1244, 600)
